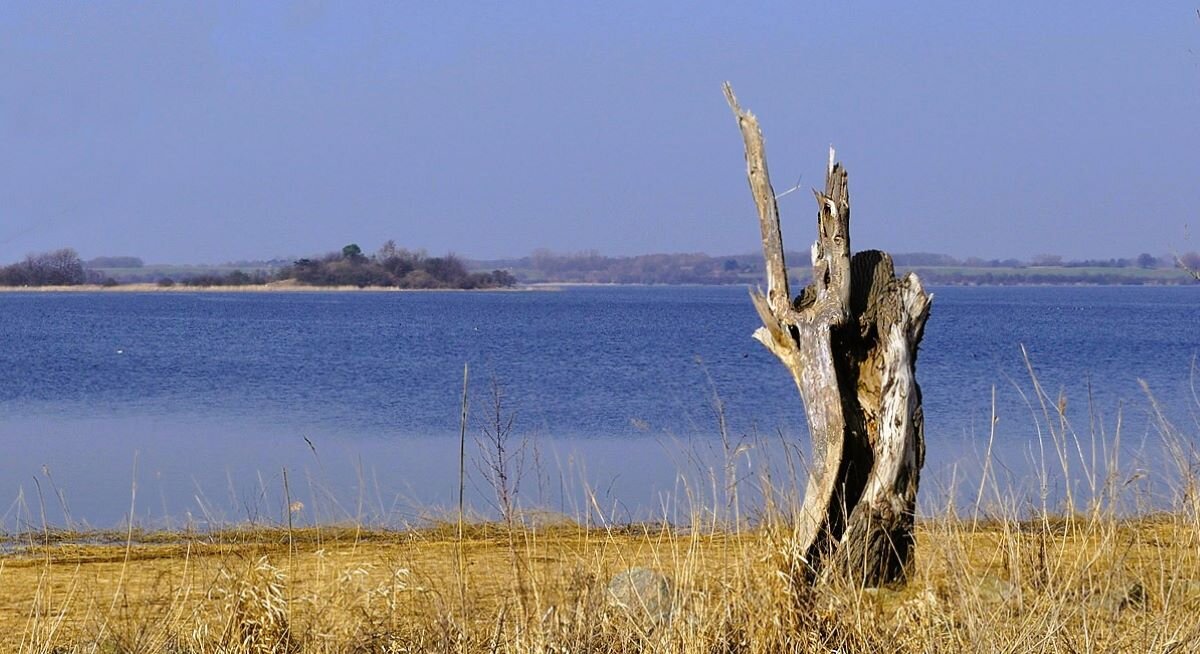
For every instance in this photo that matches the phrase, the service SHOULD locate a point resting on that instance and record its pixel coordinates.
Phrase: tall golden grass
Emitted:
(1113, 565)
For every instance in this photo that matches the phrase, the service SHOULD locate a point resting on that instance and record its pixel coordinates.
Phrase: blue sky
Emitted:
(201, 132)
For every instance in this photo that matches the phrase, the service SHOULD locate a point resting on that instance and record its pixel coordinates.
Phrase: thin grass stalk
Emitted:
(459, 553)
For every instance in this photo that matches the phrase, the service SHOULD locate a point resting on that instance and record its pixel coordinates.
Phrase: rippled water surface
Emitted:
(203, 399)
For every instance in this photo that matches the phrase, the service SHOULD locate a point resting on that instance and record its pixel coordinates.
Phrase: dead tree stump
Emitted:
(850, 342)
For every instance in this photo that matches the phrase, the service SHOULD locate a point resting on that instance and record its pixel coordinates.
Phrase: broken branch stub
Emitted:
(850, 342)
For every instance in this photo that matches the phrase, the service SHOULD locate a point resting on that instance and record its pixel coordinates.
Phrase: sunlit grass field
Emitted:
(1089, 584)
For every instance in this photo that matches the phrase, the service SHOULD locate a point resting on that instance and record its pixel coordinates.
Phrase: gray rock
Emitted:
(1132, 597)
(643, 595)
(1119, 599)
(1184, 591)
(993, 590)
(883, 595)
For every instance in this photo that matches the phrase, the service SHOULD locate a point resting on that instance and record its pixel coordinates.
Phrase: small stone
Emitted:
(1180, 591)
(1120, 599)
(923, 608)
(998, 591)
(883, 596)
(643, 595)
(1132, 597)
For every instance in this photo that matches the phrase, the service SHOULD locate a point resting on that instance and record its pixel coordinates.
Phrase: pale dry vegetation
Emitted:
(1094, 584)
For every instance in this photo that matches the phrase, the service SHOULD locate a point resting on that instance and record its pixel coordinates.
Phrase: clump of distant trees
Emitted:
(57, 268)
(232, 278)
(391, 266)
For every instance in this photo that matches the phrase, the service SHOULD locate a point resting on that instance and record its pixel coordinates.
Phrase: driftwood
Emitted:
(850, 342)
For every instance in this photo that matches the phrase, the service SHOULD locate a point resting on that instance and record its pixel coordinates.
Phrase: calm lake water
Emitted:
(199, 401)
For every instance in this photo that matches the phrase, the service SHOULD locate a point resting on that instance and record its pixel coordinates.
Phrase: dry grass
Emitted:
(1096, 584)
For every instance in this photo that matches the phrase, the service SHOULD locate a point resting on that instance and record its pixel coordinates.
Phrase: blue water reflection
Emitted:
(216, 392)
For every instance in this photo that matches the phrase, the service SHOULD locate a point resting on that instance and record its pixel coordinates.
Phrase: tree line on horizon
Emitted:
(693, 268)
(396, 267)
(390, 267)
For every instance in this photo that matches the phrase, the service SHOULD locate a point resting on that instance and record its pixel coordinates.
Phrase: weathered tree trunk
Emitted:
(849, 341)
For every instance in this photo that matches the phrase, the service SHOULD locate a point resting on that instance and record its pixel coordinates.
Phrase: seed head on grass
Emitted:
(256, 610)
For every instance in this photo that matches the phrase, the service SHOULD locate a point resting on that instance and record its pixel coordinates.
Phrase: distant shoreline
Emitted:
(247, 288)
(277, 287)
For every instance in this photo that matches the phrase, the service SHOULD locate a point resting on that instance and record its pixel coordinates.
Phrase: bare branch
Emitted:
(778, 293)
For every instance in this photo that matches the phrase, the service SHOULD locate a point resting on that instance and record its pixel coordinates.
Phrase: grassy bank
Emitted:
(1085, 584)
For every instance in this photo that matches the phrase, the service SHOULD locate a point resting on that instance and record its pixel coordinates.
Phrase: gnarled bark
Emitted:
(850, 342)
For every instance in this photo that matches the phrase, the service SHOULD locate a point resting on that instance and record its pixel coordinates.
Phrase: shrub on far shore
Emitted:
(392, 267)
(234, 278)
(57, 268)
